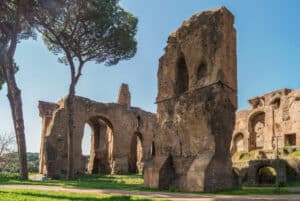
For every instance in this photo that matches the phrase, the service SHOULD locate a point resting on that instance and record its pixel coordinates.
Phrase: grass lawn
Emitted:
(256, 191)
(125, 182)
(33, 195)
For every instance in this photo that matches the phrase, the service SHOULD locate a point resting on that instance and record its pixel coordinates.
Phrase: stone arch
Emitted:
(256, 125)
(238, 143)
(181, 75)
(135, 158)
(101, 151)
(266, 174)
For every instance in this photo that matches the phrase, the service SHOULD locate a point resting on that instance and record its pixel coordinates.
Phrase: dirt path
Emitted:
(169, 196)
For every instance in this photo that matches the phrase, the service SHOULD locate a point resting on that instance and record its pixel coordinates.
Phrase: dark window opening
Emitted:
(201, 71)
(138, 122)
(152, 149)
(182, 78)
(290, 139)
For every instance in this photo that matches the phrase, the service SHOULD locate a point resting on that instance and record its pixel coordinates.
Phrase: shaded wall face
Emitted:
(196, 103)
(135, 159)
(101, 147)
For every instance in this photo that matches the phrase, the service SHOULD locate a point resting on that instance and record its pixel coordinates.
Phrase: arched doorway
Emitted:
(256, 130)
(135, 159)
(266, 175)
(101, 145)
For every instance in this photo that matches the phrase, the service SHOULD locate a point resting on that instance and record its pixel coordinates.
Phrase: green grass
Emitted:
(294, 184)
(123, 182)
(255, 191)
(127, 182)
(33, 195)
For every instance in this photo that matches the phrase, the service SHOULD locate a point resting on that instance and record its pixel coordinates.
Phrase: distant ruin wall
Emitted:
(273, 115)
(121, 138)
(197, 99)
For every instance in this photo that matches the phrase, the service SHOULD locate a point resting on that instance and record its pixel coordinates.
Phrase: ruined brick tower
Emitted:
(196, 103)
(124, 95)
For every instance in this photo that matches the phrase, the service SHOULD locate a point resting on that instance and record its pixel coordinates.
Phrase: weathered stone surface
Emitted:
(255, 165)
(121, 137)
(273, 114)
(46, 111)
(124, 97)
(272, 122)
(196, 100)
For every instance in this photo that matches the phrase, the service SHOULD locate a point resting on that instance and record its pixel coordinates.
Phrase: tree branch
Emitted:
(14, 40)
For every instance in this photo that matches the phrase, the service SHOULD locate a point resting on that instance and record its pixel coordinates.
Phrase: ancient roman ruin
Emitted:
(196, 103)
(121, 136)
(271, 123)
(272, 115)
(186, 146)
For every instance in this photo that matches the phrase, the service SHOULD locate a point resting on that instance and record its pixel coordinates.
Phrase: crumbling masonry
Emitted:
(272, 122)
(196, 105)
(121, 137)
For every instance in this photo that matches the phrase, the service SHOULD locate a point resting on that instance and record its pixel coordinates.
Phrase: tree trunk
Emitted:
(14, 97)
(70, 105)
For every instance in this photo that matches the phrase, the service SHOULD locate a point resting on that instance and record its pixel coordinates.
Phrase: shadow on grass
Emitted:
(38, 195)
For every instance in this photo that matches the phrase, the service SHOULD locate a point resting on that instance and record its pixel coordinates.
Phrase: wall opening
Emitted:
(181, 76)
(152, 150)
(100, 132)
(256, 130)
(266, 175)
(139, 122)
(290, 139)
(201, 70)
(275, 103)
(135, 159)
(86, 144)
(238, 143)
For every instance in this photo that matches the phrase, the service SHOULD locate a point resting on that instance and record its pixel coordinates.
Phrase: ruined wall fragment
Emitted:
(124, 97)
(196, 103)
(113, 127)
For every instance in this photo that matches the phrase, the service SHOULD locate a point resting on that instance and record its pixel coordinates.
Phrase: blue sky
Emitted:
(268, 58)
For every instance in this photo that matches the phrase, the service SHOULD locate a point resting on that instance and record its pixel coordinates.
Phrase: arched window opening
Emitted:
(238, 143)
(97, 145)
(257, 130)
(266, 175)
(181, 77)
(135, 160)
